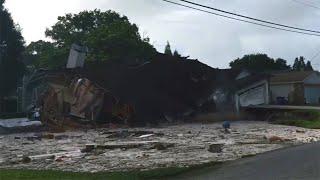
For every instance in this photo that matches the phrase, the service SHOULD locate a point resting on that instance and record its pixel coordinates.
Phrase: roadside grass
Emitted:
(57, 175)
(301, 118)
(311, 124)
(130, 175)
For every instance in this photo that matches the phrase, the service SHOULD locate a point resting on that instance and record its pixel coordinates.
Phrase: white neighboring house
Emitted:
(253, 89)
(304, 83)
(295, 88)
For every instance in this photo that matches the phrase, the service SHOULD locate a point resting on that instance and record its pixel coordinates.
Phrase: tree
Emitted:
(176, 54)
(11, 48)
(108, 35)
(167, 49)
(296, 65)
(309, 66)
(281, 64)
(300, 65)
(44, 54)
(259, 62)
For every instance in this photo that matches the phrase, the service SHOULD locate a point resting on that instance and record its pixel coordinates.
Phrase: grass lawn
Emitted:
(132, 175)
(301, 118)
(311, 124)
(58, 175)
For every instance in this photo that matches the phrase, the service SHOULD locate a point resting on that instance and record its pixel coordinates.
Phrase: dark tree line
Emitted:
(300, 65)
(263, 63)
(11, 48)
(168, 51)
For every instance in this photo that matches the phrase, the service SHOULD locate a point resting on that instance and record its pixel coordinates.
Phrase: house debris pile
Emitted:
(165, 89)
(64, 96)
(144, 149)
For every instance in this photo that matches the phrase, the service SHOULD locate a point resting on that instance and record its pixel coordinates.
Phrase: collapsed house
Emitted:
(168, 88)
(165, 88)
(65, 92)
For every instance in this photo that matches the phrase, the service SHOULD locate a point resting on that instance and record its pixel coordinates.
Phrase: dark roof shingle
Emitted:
(290, 77)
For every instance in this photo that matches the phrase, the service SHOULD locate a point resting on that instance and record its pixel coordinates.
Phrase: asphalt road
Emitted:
(300, 163)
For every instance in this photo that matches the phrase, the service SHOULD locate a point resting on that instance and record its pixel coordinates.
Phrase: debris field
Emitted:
(182, 145)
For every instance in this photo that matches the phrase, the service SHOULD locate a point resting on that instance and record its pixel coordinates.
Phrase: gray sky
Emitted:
(211, 39)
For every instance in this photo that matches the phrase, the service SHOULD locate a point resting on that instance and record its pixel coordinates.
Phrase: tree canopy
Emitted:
(167, 49)
(263, 63)
(45, 54)
(259, 62)
(300, 65)
(11, 48)
(309, 66)
(176, 54)
(108, 35)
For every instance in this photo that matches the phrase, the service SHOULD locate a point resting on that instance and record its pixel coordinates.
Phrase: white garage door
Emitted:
(312, 94)
(255, 96)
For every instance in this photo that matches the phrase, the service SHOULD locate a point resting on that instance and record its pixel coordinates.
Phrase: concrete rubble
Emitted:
(20, 122)
(19, 125)
(146, 148)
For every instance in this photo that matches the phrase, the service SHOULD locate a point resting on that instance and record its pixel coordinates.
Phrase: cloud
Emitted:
(211, 39)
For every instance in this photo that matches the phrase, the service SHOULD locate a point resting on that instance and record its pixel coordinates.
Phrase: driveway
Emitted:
(301, 162)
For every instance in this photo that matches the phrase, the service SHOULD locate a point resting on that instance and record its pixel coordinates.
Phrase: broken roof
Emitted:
(250, 79)
(290, 77)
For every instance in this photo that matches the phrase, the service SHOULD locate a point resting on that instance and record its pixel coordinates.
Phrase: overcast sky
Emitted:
(211, 39)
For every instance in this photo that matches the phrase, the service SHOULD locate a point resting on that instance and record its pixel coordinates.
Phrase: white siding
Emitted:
(254, 96)
(77, 56)
(243, 74)
(312, 94)
(314, 78)
(281, 90)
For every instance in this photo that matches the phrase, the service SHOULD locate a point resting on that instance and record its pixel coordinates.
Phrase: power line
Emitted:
(306, 4)
(242, 20)
(316, 55)
(313, 2)
(251, 18)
